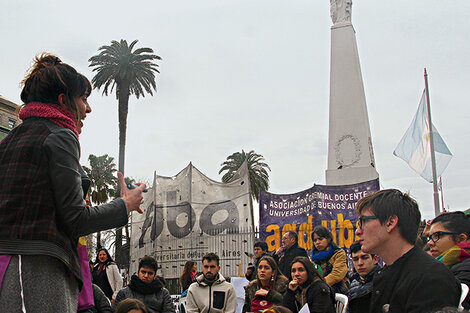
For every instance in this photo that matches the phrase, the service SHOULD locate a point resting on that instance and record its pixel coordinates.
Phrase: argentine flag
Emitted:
(415, 148)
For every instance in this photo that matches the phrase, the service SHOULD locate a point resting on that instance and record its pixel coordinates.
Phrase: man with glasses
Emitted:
(287, 252)
(412, 281)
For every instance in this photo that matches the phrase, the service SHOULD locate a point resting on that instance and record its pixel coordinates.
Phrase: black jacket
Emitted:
(102, 304)
(415, 283)
(289, 255)
(360, 291)
(462, 272)
(320, 298)
(156, 298)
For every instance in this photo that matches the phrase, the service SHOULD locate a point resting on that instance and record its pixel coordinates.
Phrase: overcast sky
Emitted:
(254, 75)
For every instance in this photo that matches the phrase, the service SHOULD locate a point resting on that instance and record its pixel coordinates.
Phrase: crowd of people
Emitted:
(43, 213)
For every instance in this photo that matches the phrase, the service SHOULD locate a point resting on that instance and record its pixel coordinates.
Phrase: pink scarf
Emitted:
(192, 275)
(53, 112)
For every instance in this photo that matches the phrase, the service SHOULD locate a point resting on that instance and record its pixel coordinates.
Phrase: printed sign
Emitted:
(330, 206)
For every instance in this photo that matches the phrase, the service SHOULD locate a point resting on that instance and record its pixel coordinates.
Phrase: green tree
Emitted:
(257, 169)
(131, 72)
(103, 181)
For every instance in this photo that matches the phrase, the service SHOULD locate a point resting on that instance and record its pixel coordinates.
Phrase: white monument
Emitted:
(350, 152)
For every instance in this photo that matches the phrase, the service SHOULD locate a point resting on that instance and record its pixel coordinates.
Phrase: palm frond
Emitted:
(257, 170)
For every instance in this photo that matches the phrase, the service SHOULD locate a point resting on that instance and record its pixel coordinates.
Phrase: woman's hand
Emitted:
(294, 284)
(133, 197)
(262, 292)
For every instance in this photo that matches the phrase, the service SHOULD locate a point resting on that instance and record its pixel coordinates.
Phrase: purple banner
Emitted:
(330, 206)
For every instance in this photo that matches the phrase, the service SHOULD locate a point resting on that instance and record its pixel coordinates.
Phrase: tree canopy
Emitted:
(127, 71)
(258, 170)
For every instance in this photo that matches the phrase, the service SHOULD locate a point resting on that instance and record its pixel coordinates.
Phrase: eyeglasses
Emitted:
(365, 218)
(437, 235)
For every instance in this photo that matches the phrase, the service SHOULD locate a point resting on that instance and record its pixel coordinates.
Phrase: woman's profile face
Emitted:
(320, 243)
(194, 268)
(444, 243)
(265, 271)
(83, 109)
(102, 256)
(299, 273)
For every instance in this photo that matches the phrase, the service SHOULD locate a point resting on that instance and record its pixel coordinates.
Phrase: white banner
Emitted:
(189, 215)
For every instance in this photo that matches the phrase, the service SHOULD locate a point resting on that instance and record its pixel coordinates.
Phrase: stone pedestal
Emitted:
(350, 152)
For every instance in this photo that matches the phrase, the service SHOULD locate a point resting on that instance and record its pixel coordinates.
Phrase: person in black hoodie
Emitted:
(287, 252)
(145, 287)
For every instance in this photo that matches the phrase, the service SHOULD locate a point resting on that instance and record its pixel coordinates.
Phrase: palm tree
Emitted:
(259, 177)
(132, 72)
(103, 181)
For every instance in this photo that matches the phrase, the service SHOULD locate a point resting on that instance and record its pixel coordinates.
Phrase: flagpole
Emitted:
(437, 210)
(442, 194)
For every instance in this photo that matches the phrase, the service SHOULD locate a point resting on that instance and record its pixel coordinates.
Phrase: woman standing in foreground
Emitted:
(42, 187)
(308, 287)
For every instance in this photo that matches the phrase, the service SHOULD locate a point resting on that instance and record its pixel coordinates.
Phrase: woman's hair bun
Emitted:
(46, 60)
(48, 77)
(41, 61)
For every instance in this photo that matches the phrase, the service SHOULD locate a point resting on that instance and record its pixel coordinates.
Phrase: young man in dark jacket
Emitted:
(412, 281)
(287, 252)
(365, 266)
(260, 249)
(146, 287)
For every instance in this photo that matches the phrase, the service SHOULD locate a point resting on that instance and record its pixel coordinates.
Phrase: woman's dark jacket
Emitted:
(42, 208)
(186, 281)
(462, 272)
(319, 296)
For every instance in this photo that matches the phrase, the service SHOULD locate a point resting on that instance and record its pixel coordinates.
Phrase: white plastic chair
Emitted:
(342, 303)
(463, 295)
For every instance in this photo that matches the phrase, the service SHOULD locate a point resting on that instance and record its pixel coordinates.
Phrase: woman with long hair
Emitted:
(331, 258)
(268, 287)
(308, 287)
(42, 206)
(449, 242)
(189, 274)
(106, 274)
(131, 306)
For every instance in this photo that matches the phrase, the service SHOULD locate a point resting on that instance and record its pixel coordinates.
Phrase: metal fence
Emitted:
(233, 246)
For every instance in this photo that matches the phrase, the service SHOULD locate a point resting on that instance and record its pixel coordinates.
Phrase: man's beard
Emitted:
(211, 278)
